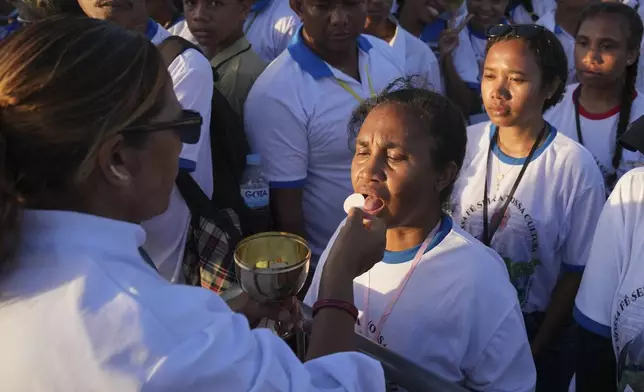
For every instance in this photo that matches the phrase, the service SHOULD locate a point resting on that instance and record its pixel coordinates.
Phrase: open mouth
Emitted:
(372, 204)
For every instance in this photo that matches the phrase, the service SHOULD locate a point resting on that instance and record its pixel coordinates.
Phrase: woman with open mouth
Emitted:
(438, 297)
(597, 111)
(529, 192)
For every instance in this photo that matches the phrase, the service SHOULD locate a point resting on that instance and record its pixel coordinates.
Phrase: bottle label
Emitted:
(255, 198)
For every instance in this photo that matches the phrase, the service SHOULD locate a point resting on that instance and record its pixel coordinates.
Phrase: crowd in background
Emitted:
(497, 145)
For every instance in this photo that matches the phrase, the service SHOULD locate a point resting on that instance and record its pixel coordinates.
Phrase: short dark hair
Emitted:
(551, 60)
(634, 23)
(441, 119)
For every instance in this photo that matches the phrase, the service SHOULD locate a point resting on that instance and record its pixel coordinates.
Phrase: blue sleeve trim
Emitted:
(573, 268)
(288, 184)
(187, 164)
(473, 86)
(590, 325)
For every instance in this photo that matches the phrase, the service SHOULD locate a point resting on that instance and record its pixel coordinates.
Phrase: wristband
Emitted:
(338, 304)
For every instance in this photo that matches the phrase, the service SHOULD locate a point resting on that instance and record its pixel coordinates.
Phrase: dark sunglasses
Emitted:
(519, 31)
(187, 126)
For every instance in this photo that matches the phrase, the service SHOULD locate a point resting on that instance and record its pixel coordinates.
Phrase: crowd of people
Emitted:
(497, 144)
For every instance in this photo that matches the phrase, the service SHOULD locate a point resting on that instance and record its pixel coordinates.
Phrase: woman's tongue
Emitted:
(372, 204)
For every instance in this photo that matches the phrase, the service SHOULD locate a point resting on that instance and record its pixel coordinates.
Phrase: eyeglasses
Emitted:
(187, 126)
(519, 31)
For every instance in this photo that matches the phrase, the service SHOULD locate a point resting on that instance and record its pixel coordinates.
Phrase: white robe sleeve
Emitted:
(225, 355)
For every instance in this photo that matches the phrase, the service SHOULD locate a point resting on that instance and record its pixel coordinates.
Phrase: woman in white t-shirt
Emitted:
(529, 192)
(597, 111)
(438, 297)
(610, 304)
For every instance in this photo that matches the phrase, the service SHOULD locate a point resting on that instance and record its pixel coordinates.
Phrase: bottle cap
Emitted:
(253, 159)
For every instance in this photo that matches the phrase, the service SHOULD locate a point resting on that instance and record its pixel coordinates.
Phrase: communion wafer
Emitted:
(355, 200)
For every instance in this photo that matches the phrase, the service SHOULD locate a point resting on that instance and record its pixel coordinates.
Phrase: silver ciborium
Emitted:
(272, 266)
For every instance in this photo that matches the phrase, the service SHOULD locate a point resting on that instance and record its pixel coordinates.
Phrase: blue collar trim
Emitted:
(311, 62)
(406, 255)
(151, 29)
(432, 31)
(520, 161)
(558, 30)
(260, 6)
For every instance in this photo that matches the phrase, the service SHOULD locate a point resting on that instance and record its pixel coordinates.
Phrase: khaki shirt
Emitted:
(236, 69)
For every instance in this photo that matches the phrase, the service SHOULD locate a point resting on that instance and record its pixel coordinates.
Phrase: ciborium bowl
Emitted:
(272, 266)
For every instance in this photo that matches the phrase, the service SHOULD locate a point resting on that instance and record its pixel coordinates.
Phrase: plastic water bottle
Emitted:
(254, 190)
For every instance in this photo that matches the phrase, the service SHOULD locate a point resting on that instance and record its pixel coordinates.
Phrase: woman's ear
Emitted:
(632, 56)
(115, 162)
(446, 176)
(551, 88)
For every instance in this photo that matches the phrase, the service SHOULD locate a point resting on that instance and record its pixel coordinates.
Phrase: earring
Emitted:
(118, 174)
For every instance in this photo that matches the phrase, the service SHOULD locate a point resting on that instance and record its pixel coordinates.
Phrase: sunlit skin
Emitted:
(601, 51)
(511, 86)
(392, 165)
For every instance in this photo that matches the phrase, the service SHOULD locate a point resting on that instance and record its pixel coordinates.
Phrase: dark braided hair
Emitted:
(634, 23)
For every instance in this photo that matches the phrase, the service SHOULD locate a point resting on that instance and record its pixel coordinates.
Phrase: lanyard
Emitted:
(348, 88)
(399, 290)
(488, 232)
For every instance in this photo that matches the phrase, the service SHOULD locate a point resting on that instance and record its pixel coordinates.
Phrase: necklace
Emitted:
(500, 176)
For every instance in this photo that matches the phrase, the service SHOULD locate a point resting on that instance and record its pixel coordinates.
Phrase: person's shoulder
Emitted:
(630, 188)
(384, 51)
(574, 162)
(547, 20)
(282, 75)
(477, 132)
(637, 106)
(417, 47)
(284, 16)
(251, 64)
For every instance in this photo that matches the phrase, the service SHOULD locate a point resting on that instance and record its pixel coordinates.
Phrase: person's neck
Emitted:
(476, 26)
(224, 44)
(384, 29)
(567, 19)
(517, 141)
(601, 100)
(346, 61)
(407, 237)
(411, 23)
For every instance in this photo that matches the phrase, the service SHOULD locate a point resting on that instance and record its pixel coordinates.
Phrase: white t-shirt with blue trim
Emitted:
(458, 316)
(192, 83)
(296, 117)
(548, 225)
(419, 59)
(270, 26)
(598, 131)
(610, 301)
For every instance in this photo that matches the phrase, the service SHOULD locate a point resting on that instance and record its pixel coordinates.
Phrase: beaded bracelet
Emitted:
(338, 304)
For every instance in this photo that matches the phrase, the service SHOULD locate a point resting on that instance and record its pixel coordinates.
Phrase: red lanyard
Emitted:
(399, 290)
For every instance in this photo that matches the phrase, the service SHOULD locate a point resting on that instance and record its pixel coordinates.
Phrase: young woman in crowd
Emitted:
(418, 58)
(597, 111)
(531, 193)
(438, 297)
(610, 305)
(563, 20)
(82, 162)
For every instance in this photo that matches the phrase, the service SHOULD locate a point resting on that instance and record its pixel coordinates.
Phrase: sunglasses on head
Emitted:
(519, 31)
(187, 126)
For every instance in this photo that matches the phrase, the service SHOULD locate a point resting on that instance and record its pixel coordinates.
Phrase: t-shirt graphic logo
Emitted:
(630, 366)
(520, 274)
(504, 220)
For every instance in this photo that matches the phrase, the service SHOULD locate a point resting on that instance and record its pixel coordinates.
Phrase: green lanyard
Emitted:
(351, 91)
